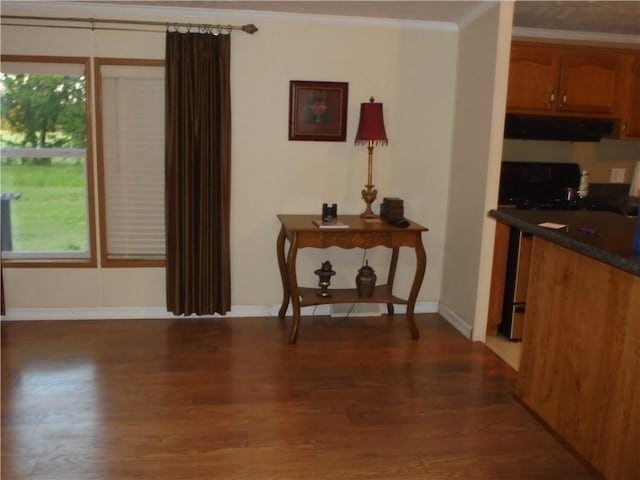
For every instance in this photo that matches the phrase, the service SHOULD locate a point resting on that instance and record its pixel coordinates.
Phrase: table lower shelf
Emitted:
(381, 294)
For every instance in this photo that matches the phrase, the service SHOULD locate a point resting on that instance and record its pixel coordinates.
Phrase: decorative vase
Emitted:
(365, 281)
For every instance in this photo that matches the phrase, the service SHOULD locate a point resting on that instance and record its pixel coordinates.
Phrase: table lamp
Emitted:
(370, 132)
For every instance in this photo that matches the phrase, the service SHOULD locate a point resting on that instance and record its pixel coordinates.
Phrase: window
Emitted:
(45, 162)
(130, 126)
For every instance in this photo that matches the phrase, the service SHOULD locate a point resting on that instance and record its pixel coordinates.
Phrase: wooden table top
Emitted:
(301, 223)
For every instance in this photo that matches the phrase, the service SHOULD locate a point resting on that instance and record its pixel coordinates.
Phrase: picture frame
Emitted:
(318, 111)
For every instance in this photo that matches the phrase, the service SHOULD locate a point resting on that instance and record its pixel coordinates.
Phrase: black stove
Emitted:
(540, 185)
(554, 186)
(555, 204)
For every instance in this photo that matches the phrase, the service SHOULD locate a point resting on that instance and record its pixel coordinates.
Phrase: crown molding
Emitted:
(476, 12)
(201, 15)
(549, 34)
(357, 21)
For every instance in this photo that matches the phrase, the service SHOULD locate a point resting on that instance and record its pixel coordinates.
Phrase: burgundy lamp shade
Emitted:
(371, 126)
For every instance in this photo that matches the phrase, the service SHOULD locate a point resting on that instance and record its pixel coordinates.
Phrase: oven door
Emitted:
(516, 283)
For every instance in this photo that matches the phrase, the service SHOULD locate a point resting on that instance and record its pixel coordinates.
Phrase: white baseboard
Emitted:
(135, 313)
(120, 313)
(421, 307)
(455, 320)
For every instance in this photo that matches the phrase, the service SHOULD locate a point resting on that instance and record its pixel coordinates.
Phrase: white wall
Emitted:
(409, 67)
(479, 118)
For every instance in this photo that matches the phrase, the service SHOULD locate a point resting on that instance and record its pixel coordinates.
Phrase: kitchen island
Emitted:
(580, 365)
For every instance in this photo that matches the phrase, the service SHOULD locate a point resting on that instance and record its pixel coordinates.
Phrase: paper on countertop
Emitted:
(553, 226)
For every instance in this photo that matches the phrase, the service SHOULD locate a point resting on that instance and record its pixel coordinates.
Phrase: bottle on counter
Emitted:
(583, 190)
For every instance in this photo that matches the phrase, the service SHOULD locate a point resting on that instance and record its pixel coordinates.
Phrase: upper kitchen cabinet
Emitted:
(546, 79)
(630, 106)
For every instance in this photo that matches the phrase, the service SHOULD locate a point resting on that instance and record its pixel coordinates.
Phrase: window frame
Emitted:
(47, 260)
(105, 261)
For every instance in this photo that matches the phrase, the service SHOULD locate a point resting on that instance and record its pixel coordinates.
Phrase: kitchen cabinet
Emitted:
(630, 105)
(579, 367)
(547, 79)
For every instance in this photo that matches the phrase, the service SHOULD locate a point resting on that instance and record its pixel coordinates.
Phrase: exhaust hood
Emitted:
(565, 129)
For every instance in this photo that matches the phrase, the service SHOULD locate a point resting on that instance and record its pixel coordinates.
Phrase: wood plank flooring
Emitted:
(231, 399)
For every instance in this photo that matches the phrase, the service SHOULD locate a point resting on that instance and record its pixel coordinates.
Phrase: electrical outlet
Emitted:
(617, 175)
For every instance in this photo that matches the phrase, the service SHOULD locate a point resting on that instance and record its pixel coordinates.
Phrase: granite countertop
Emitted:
(604, 236)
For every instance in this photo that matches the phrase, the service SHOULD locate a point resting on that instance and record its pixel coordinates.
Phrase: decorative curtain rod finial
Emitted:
(250, 28)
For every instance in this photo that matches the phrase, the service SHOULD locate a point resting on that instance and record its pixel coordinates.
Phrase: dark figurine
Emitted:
(325, 273)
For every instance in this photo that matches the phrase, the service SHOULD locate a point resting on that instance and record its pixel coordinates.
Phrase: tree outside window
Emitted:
(43, 168)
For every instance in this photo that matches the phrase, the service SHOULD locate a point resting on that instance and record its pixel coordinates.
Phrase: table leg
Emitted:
(282, 236)
(421, 265)
(392, 276)
(293, 288)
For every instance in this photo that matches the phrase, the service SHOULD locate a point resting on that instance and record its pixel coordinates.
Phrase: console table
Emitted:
(301, 232)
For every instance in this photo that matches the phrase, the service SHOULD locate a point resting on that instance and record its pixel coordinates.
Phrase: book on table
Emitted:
(332, 224)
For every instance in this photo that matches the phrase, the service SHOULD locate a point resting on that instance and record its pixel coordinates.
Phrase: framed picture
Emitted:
(318, 111)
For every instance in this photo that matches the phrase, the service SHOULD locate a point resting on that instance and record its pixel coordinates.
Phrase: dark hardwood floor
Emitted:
(231, 399)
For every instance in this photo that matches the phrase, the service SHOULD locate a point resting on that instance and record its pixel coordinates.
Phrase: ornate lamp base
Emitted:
(369, 195)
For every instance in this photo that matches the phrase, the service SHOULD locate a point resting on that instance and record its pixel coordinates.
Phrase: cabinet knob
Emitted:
(552, 97)
(563, 98)
(624, 127)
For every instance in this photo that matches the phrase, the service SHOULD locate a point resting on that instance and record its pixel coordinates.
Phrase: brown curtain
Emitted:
(198, 170)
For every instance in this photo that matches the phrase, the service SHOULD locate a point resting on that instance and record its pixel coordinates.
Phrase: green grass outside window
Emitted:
(51, 215)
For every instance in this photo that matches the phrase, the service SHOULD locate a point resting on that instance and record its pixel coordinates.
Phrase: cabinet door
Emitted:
(590, 82)
(533, 76)
(630, 125)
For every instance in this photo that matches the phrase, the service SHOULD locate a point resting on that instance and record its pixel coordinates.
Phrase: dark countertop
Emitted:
(613, 243)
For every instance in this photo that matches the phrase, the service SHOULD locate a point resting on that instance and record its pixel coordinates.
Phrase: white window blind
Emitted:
(133, 160)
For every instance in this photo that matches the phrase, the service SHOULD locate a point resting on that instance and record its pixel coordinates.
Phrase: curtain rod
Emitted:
(176, 26)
